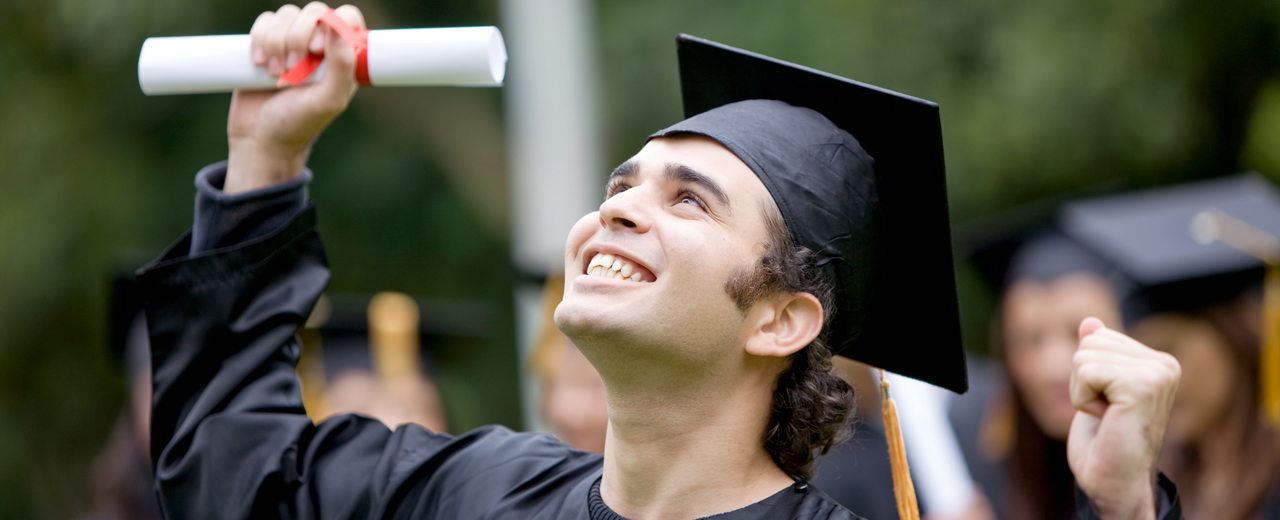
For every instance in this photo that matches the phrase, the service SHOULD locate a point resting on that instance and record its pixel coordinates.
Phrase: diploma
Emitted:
(455, 56)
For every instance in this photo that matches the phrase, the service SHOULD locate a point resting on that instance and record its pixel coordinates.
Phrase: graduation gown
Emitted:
(229, 436)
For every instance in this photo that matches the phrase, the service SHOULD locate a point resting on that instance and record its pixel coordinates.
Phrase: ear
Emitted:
(782, 326)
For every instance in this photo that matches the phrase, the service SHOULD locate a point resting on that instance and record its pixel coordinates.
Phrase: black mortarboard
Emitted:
(857, 173)
(1150, 236)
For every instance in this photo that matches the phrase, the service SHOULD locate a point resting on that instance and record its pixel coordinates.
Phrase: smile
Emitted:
(616, 267)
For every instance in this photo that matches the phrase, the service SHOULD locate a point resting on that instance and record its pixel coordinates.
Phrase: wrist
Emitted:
(253, 165)
(1138, 504)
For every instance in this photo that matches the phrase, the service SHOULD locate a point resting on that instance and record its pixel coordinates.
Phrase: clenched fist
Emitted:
(1124, 392)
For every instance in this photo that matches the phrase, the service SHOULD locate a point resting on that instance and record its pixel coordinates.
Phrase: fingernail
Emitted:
(294, 58)
(273, 66)
(258, 56)
(317, 43)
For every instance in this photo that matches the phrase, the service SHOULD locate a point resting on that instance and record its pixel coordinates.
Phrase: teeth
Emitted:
(610, 266)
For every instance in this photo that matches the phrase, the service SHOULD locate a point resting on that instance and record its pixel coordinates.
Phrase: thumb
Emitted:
(1089, 326)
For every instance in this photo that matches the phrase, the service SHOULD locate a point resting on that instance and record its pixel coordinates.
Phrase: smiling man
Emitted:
(731, 256)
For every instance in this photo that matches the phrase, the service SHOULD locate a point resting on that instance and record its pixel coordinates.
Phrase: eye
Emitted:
(688, 197)
(615, 188)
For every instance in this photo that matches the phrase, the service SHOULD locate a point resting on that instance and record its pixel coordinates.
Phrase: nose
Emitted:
(627, 211)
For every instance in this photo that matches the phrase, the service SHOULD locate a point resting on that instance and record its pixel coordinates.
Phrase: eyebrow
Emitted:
(684, 174)
(678, 173)
(626, 169)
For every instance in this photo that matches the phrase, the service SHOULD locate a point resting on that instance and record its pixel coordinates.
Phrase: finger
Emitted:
(1117, 342)
(352, 15)
(257, 37)
(1089, 382)
(301, 32)
(274, 46)
(339, 80)
(1089, 326)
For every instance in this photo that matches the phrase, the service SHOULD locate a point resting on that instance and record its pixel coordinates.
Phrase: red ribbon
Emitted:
(358, 40)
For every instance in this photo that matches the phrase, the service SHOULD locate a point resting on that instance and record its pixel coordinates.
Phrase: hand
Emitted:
(1123, 391)
(269, 133)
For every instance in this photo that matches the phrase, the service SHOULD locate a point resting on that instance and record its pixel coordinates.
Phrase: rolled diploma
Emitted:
(455, 56)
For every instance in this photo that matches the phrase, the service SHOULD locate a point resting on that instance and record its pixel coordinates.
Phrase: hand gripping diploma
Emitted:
(1124, 392)
(269, 133)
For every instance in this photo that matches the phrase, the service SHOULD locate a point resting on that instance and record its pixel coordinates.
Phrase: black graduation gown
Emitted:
(230, 438)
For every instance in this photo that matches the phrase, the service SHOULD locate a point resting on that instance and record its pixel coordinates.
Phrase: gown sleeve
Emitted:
(1167, 504)
(229, 436)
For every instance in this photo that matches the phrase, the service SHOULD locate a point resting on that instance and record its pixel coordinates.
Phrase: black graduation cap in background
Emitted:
(873, 206)
(1193, 245)
(1152, 236)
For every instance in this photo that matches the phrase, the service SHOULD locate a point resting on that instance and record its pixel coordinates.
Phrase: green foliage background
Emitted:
(1038, 98)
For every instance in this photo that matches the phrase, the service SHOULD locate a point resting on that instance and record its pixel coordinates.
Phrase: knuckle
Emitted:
(288, 9)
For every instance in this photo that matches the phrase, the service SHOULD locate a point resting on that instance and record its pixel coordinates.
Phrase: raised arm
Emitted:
(229, 435)
(1124, 392)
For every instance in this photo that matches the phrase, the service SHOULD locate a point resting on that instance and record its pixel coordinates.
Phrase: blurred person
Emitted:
(571, 393)
(369, 363)
(1201, 301)
(724, 254)
(1219, 446)
(121, 474)
(1014, 425)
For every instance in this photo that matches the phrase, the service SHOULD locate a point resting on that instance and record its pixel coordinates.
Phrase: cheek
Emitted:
(582, 230)
(1042, 371)
(1204, 392)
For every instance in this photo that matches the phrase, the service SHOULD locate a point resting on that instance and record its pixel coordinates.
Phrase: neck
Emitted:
(691, 448)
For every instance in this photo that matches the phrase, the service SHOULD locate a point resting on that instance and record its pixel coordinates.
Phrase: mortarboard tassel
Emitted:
(903, 490)
(1216, 225)
(311, 363)
(1270, 359)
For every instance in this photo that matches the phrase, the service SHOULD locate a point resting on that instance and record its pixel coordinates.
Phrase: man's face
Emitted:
(679, 219)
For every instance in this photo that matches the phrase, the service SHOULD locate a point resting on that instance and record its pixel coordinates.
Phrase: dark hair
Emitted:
(1234, 483)
(813, 408)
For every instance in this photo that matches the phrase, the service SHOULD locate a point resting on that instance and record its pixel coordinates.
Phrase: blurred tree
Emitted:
(411, 190)
(1037, 98)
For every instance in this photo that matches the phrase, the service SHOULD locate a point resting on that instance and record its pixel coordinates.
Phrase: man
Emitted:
(711, 343)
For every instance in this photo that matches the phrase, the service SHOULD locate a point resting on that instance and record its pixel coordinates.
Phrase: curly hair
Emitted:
(813, 408)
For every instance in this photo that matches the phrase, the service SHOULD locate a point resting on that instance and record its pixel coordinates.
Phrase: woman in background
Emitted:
(571, 394)
(1218, 448)
(1013, 425)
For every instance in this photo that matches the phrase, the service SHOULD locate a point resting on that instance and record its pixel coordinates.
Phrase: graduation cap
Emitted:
(857, 173)
(385, 337)
(1193, 245)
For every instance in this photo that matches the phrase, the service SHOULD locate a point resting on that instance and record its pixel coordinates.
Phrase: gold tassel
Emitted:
(903, 490)
(1269, 376)
(1216, 225)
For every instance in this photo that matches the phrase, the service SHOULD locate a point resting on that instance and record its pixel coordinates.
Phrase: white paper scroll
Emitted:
(455, 56)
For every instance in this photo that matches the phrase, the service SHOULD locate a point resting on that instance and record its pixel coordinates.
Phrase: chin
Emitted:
(584, 322)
